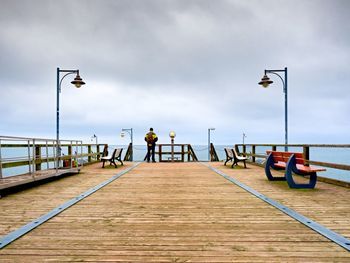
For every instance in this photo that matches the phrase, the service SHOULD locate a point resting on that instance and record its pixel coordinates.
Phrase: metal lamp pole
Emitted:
(265, 82)
(209, 129)
(132, 142)
(94, 136)
(77, 82)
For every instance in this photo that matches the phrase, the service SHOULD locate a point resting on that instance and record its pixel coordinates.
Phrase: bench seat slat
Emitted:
(291, 163)
(280, 165)
(278, 159)
(309, 169)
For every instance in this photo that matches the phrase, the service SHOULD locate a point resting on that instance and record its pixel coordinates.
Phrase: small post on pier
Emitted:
(306, 153)
(172, 135)
(89, 152)
(37, 157)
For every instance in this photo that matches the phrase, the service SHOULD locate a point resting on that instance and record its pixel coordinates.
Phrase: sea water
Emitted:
(330, 155)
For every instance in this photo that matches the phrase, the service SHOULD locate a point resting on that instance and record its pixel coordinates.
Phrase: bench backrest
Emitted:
(228, 152)
(235, 152)
(284, 156)
(105, 151)
(118, 152)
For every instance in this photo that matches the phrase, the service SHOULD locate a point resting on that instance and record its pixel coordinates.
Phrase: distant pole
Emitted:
(244, 136)
(265, 82)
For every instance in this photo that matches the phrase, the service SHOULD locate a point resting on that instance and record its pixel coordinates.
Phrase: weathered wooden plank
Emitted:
(327, 204)
(172, 213)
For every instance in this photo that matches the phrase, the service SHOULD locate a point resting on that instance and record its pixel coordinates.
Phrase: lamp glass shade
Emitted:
(172, 134)
(265, 81)
(78, 82)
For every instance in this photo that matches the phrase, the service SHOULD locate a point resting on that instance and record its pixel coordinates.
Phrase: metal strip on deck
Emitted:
(5, 240)
(331, 235)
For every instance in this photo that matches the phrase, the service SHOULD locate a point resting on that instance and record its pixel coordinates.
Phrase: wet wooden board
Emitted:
(163, 212)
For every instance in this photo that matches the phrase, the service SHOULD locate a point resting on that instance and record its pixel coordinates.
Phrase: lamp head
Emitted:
(172, 134)
(78, 82)
(265, 81)
(122, 134)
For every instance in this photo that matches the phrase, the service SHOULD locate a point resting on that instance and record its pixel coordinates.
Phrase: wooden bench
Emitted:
(116, 156)
(232, 155)
(292, 163)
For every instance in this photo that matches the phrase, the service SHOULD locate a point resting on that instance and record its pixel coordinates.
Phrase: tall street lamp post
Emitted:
(244, 136)
(94, 136)
(129, 131)
(77, 82)
(265, 82)
(209, 129)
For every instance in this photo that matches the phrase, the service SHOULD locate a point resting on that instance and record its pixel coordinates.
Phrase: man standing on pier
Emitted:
(151, 139)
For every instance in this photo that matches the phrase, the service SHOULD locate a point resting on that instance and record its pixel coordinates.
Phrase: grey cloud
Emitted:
(208, 55)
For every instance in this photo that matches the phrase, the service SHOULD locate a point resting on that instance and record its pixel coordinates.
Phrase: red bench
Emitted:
(292, 163)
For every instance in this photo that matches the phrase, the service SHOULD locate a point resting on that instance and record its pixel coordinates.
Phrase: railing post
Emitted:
(89, 152)
(97, 152)
(0, 162)
(274, 148)
(70, 154)
(182, 153)
(29, 165)
(131, 152)
(306, 153)
(160, 152)
(37, 157)
(253, 153)
(188, 153)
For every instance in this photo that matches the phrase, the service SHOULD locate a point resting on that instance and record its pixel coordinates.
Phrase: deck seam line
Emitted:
(12, 236)
(329, 234)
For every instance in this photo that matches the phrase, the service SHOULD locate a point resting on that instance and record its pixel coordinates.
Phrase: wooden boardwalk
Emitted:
(174, 212)
(23, 179)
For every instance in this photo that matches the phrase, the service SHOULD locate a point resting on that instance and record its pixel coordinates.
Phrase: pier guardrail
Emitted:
(175, 153)
(257, 153)
(28, 155)
(305, 150)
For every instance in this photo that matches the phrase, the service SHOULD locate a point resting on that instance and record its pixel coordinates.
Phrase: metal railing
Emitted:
(22, 155)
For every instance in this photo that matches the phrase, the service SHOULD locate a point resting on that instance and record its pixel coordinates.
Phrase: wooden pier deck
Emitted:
(174, 212)
(23, 179)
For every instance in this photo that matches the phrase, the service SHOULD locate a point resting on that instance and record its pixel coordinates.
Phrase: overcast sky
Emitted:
(180, 65)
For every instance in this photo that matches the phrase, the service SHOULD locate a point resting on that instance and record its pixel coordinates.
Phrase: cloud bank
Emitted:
(176, 65)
